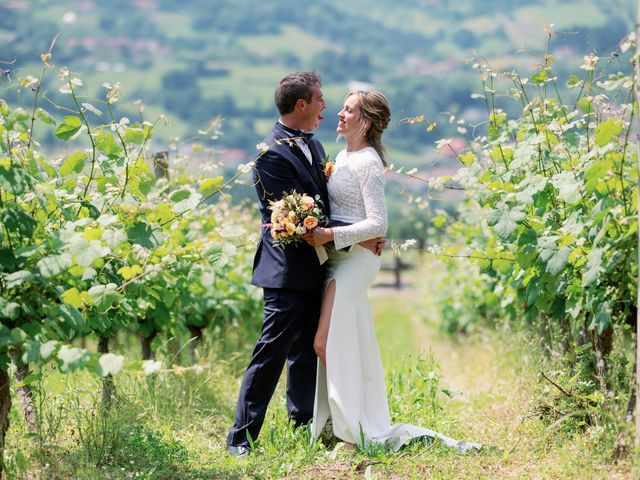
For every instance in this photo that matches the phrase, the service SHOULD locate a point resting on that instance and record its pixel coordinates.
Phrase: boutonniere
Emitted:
(328, 167)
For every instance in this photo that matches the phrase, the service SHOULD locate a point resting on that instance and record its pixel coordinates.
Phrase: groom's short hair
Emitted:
(294, 86)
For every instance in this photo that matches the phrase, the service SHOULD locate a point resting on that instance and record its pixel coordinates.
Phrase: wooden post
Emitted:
(5, 409)
(25, 393)
(108, 386)
(161, 165)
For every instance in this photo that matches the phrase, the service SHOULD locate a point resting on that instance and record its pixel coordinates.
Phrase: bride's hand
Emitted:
(318, 236)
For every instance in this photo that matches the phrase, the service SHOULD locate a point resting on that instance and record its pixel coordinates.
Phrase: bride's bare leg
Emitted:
(320, 341)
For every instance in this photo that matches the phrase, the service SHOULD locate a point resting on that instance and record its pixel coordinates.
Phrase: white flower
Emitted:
(30, 82)
(408, 243)
(263, 147)
(151, 366)
(628, 42)
(443, 142)
(169, 259)
(590, 62)
(113, 92)
(245, 167)
(140, 254)
(106, 219)
(434, 249)
(437, 183)
(76, 82)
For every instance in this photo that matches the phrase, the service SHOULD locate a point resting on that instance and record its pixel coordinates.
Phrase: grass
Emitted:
(306, 45)
(173, 426)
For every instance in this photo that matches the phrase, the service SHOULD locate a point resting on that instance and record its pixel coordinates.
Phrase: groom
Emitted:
(291, 277)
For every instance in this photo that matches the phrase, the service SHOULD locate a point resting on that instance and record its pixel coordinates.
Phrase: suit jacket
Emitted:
(279, 170)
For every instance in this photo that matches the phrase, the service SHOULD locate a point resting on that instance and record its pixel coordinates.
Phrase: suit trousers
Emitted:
(289, 327)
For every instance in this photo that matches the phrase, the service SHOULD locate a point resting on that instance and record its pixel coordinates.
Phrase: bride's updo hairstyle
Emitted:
(373, 107)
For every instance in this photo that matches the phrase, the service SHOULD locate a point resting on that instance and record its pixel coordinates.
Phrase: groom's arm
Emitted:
(273, 175)
(374, 244)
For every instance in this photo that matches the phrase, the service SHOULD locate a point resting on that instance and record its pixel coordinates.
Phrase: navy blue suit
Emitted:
(292, 279)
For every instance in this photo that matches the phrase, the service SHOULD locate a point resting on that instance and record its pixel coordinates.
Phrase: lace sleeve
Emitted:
(371, 178)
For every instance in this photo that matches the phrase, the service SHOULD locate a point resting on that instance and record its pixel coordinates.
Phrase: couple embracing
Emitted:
(316, 315)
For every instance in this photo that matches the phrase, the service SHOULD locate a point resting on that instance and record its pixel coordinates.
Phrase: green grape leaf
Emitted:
(68, 128)
(71, 316)
(8, 261)
(573, 81)
(72, 358)
(16, 279)
(106, 143)
(86, 252)
(540, 77)
(54, 264)
(73, 297)
(17, 220)
(607, 131)
(594, 265)
(9, 310)
(502, 266)
(73, 163)
(211, 185)
(13, 179)
(568, 187)
(34, 350)
(596, 173)
(524, 155)
(109, 364)
(180, 195)
(144, 234)
(45, 117)
(504, 220)
(104, 296)
(557, 262)
(134, 135)
(602, 318)
(5, 336)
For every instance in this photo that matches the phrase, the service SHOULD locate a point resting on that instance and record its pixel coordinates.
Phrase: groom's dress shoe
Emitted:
(238, 451)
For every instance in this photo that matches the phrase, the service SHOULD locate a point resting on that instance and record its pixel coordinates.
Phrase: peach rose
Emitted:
(328, 169)
(310, 222)
(291, 228)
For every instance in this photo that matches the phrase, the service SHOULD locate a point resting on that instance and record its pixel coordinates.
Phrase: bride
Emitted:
(350, 386)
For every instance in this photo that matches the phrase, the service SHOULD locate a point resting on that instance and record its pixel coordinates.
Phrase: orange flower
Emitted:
(310, 223)
(328, 169)
(291, 228)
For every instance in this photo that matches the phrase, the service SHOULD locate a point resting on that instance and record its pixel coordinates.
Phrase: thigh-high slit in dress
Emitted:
(351, 387)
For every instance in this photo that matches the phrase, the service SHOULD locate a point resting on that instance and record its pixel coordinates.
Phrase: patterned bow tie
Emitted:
(302, 135)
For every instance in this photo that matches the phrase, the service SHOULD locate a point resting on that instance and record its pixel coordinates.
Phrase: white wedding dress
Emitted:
(351, 389)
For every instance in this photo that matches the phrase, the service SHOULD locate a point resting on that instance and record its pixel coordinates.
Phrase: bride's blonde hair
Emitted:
(375, 108)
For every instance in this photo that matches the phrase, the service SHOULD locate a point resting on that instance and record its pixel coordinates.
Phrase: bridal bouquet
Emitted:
(292, 216)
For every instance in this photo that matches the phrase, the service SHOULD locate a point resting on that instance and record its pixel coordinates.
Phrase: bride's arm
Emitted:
(372, 180)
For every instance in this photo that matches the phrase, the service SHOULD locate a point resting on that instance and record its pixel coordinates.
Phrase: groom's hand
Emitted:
(318, 236)
(374, 244)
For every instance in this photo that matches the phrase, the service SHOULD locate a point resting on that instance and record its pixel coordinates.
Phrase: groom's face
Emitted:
(312, 110)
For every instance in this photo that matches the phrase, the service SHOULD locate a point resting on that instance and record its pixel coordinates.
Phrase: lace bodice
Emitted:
(356, 195)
